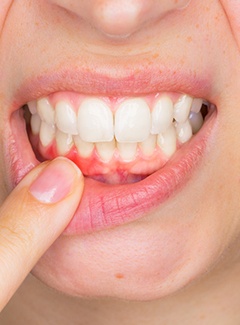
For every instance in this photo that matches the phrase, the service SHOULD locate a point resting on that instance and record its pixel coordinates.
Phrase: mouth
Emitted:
(134, 151)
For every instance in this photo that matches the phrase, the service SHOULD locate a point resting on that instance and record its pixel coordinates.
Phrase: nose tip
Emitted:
(118, 18)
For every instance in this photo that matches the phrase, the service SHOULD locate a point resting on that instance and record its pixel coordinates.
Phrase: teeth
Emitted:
(148, 146)
(196, 105)
(66, 118)
(32, 107)
(135, 126)
(196, 121)
(45, 111)
(162, 115)
(127, 151)
(95, 121)
(184, 131)
(106, 150)
(84, 149)
(182, 108)
(64, 143)
(35, 124)
(47, 134)
(132, 121)
(167, 141)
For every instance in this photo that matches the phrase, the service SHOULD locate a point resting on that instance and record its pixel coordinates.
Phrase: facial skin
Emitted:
(195, 230)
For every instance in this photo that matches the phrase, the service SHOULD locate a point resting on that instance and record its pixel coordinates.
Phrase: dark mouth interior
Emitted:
(120, 176)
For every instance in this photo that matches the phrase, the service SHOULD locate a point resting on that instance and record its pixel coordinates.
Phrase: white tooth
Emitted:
(106, 150)
(162, 115)
(47, 133)
(132, 121)
(64, 142)
(148, 146)
(182, 108)
(95, 121)
(45, 111)
(196, 105)
(32, 106)
(84, 149)
(167, 141)
(196, 121)
(66, 118)
(127, 151)
(184, 131)
(35, 123)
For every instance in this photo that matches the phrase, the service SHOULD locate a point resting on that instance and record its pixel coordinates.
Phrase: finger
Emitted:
(32, 217)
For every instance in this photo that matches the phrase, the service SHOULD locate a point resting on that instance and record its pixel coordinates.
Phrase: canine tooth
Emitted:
(45, 111)
(106, 150)
(32, 106)
(66, 118)
(196, 121)
(167, 141)
(84, 148)
(162, 115)
(95, 121)
(127, 151)
(184, 131)
(46, 134)
(132, 121)
(182, 108)
(148, 146)
(196, 105)
(64, 142)
(35, 123)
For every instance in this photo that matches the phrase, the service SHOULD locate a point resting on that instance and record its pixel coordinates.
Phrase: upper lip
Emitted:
(136, 81)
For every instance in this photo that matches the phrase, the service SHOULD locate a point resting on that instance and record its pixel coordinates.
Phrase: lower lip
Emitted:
(105, 206)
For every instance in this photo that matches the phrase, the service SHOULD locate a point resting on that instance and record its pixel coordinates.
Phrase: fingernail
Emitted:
(55, 181)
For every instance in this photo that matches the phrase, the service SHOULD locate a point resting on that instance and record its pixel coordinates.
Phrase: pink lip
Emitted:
(104, 206)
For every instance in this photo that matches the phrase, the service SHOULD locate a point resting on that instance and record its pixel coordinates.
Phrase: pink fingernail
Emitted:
(55, 182)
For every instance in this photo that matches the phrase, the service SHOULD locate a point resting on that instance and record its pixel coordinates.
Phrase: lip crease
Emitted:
(104, 206)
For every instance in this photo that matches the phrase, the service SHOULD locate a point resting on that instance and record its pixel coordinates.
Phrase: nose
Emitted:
(120, 18)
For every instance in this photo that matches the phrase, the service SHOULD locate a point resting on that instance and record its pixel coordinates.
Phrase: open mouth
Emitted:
(114, 140)
(133, 151)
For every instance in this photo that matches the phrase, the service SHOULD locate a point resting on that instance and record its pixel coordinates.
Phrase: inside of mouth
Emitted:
(114, 142)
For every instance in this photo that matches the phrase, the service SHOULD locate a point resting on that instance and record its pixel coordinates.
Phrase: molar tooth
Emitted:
(182, 108)
(95, 121)
(132, 121)
(64, 142)
(106, 150)
(66, 118)
(46, 134)
(167, 141)
(45, 111)
(196, 121)
(32, 106)
(127, 151)
(162, 115)
(196, 105)
(148, 146)
(184, 131)
(84, 148)
(35, 123)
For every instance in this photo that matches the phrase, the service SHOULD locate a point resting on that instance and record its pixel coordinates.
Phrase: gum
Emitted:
(114, 171)
(75, 99)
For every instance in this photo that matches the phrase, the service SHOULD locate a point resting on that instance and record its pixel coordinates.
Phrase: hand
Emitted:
(232, 9)
(32, 217)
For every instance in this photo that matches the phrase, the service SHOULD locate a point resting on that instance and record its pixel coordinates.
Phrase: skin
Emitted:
(180, 263)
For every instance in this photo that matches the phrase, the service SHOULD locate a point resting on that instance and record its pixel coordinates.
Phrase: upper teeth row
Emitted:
(132, 122)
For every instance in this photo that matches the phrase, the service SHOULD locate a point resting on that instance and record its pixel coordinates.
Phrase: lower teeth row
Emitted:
(167, 142)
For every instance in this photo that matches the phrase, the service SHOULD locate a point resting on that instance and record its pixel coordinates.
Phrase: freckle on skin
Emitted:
(119, 276)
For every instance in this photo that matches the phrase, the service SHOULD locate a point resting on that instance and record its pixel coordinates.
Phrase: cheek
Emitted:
(232, 10)
(4, 9)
